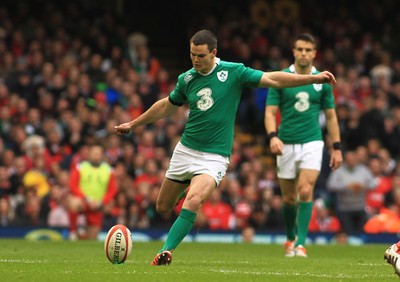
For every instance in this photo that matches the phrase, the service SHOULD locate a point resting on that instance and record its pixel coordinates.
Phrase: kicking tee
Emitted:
(213, 101)
(300, 108)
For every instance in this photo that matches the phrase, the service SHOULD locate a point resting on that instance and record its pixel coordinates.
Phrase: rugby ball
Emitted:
(118, 244)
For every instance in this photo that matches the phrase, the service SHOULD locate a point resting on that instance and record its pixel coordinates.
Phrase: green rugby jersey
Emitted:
(213, 100)
(300, 108)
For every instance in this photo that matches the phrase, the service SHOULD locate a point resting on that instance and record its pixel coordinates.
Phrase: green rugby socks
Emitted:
(290, 214)
(181, 227)
(304, 217)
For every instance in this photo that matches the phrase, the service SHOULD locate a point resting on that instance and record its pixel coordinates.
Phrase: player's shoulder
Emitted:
(187, 76)
(289, 69)
(227, 64)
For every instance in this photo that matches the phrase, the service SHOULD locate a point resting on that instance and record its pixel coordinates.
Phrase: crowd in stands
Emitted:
(65, 83)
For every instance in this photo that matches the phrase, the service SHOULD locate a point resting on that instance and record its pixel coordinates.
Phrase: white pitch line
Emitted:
(297, 274)
(24, 261)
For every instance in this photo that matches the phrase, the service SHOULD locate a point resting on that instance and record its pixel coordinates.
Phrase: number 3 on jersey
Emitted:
(303, 103)
(206, 101)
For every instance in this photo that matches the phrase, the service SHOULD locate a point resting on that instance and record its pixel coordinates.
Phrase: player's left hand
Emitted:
(336, 159)
(276, 146)
(326, 77)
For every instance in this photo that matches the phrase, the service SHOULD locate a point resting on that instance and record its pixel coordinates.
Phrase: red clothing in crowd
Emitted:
(326, 223)
(376, 198)
(219, 215)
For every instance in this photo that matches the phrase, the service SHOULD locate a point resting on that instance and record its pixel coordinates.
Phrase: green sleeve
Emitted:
(328, 100)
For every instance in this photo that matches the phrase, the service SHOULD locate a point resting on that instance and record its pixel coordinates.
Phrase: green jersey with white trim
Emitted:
(213, 101)
(300, 108)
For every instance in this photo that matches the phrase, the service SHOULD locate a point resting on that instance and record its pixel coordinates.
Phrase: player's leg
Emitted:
(287, 181)
(201, 188)
(305, 186)
(94, 224)
(310, 157)
(170, 192)
(75, 206)
(289, 198)
(206, 171)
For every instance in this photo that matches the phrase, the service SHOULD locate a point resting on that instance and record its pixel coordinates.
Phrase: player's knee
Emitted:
(163, 208)
(306, 192)
(73, 204)
(289, 200)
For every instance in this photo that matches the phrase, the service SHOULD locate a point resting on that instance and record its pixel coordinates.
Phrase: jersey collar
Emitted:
(217, 61)
(292, 69)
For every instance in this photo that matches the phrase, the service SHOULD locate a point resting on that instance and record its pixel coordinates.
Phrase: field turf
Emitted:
(23, 260)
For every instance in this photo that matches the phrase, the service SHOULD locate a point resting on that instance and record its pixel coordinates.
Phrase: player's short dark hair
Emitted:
(306, 37)
(205, 37)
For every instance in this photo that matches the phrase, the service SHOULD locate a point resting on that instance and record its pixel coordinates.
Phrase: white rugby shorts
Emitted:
(299, 156)
(186, 163)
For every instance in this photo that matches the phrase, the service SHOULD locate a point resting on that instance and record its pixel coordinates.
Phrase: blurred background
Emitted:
(71, 70)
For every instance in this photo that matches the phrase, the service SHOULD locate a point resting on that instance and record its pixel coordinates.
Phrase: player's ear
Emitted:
(214, 52)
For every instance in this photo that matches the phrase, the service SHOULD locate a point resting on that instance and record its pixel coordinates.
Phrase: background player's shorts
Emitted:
(186, 163)
(299, 156)
(94, 218)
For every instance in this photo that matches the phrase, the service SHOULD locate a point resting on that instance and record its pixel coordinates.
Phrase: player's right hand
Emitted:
(276, 146)
(327, 77)
(123, 128)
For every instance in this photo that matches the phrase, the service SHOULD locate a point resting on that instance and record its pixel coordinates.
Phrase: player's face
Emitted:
(304, 53)
(202, 59)
(96, 155)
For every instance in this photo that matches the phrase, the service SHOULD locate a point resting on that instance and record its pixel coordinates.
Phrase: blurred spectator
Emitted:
(248, 234)
(322, 220)
(219, 215)
(146, 145)
(36, 178)
(6, 186)
(54, 78)
(149, 175)
(93, 185)
(33, 125)
(137, 219)
(6, 212)
(34, 148)
(55, 202)
(388, 163)
(275, 220)
(243, 209)
(376, 198)
(350, 184)
(113, 151)
(388, 218)
(30, 211)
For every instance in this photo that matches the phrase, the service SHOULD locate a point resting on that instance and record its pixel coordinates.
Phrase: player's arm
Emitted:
(332, 126)
(160, 109)
(280, 79)
(74, 183)
(275, 143)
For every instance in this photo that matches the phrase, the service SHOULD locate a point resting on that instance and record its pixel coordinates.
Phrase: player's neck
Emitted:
(214, 65)
(302, 70)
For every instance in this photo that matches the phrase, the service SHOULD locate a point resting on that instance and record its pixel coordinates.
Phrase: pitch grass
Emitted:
(22, 260)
